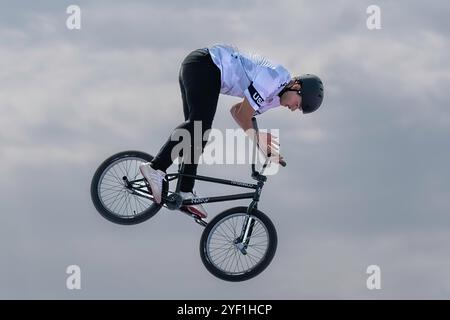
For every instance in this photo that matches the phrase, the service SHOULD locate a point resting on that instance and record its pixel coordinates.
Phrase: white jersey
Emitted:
(250, 76)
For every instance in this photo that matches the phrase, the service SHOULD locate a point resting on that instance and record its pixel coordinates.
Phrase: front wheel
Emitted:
(225, 255)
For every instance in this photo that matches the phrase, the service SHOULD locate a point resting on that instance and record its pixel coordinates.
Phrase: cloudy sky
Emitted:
(367, 181)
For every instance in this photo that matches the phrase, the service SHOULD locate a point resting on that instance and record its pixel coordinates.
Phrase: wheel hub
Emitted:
(241, 247)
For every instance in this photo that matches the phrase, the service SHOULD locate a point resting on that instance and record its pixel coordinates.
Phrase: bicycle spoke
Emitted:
(225, 256)
(127, 198)
(138, 172)
(239, 260)
(251, 258)
(218, 250)
(129, 167)
(121, 168)
(112, 176)
(120, 203)
(231, 229)
(230, 260)
(225, 236)
(235, 258)
(108, 192)
(258, 250)
(111, 183)
(116, 175)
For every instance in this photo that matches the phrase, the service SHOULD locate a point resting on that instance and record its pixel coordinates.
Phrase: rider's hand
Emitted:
(269, 144)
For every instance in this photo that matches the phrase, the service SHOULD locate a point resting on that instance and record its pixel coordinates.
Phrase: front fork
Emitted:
(247, 229)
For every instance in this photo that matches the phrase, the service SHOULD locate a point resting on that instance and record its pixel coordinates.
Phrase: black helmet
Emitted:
(311, 92)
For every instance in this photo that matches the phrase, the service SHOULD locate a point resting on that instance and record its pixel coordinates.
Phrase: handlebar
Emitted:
(255, 127)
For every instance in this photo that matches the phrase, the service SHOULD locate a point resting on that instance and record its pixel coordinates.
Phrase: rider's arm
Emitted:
(242, 113)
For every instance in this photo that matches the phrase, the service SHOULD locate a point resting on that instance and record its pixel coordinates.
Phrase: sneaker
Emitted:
(196, 209)
(154, 178)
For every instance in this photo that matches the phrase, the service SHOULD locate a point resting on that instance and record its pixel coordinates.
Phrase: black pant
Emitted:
(200, 88)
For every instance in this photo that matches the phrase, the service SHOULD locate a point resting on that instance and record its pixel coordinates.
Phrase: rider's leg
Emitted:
(200, 88)
(201, 91)
(185, 111)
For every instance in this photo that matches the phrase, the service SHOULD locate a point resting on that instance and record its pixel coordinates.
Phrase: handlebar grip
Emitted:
(283, 163)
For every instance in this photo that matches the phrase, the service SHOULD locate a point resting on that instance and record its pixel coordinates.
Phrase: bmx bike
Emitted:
(236, 245)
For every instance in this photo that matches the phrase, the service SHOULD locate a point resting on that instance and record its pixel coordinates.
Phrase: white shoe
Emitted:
(196, 209)
(154, 178)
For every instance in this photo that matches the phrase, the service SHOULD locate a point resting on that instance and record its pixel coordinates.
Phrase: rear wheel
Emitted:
(115, 199)
(226, 257)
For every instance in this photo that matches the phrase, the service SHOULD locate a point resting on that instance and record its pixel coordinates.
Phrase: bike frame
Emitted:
(174, 201)
(243, 240)
(167, 201)
(255, 195)
(250, 195)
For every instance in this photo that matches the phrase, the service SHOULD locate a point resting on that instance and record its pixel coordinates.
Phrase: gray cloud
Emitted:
(366, 183)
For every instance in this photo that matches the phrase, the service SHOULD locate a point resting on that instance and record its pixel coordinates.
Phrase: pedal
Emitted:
(201, 222)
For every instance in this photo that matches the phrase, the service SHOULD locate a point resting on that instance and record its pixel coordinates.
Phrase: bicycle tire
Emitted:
(99, 203)
(243, 275)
